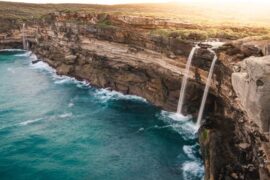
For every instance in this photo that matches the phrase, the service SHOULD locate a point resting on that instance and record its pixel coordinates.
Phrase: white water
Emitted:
(184, 81)
(23, 36)
(206, 90)
(183, 125)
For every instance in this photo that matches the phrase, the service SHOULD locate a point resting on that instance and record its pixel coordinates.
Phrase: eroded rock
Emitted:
(252, 86)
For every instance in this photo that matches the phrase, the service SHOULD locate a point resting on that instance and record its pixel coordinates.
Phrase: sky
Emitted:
(136, 1)
(91, 1)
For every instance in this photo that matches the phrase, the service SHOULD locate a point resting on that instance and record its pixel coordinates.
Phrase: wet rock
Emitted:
(36, 61)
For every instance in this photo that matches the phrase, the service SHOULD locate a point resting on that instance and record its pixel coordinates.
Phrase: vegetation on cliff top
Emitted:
(230, 33)
(212, 22)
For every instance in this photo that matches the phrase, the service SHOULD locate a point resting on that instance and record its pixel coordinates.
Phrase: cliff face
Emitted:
(252, 84)
(118, 52)
(125, 58)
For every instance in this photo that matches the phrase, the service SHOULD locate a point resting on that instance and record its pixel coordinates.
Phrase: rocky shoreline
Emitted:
(121, 55)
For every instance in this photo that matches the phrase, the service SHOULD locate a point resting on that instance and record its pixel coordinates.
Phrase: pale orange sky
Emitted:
(137, 1)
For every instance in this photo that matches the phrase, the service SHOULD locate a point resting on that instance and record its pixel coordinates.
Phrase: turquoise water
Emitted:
(54, 127)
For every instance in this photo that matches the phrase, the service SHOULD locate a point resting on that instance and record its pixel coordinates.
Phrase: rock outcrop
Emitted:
(251, 83)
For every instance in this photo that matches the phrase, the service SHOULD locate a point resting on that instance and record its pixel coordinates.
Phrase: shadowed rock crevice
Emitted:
(237, 159)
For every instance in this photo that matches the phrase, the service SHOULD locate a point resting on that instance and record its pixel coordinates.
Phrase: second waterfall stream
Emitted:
(24, 41)
(206, 90)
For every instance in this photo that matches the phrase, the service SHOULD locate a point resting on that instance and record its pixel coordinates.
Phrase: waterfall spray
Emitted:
(205, 94)
(184, 81)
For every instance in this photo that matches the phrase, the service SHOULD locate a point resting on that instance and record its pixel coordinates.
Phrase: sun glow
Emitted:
(141, 1)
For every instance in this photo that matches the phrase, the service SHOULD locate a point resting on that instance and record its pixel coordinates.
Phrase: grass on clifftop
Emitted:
(237, 14)
(229, 33)
(214, 21)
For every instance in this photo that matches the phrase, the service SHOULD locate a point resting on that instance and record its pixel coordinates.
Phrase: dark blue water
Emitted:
(54, 127)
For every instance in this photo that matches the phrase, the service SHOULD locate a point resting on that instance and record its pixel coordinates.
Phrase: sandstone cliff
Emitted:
(118, 52)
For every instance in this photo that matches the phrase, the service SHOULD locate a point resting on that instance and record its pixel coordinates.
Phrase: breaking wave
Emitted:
(43, 67)
(24, 123)
(105, 95)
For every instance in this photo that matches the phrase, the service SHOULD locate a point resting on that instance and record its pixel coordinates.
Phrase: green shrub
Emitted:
(184, 34)
(205, 134)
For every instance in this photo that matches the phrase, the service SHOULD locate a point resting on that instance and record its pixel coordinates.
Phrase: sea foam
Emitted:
(12, 50)
(25, 54)
(179, 123)
(192, 170)
(190, 151)
(24, 123)
(65, 115)
(43, 67)
(105, 95)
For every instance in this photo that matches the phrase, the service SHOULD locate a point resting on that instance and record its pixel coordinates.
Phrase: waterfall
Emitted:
(205, 94)
(184, 81)
(23, 37)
